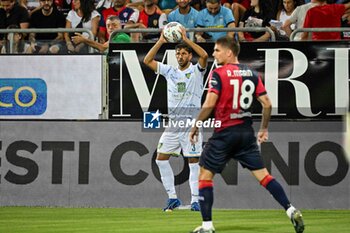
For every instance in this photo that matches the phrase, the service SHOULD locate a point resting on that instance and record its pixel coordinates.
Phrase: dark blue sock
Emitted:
(278, 193)
(206, 200)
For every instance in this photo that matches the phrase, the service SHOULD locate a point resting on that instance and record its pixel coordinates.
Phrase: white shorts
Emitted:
(172, 142)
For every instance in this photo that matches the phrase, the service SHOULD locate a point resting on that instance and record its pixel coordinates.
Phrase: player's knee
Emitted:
(193, 160)
(266, 180)
(162, 157)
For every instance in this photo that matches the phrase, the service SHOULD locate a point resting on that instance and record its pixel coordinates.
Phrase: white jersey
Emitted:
(184, 89)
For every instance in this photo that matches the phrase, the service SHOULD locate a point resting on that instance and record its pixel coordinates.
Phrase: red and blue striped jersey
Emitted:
(237, 86)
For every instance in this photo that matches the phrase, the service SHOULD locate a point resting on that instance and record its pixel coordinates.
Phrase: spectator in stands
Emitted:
(278, 4)
(258, 15)
(112, 23)
(298, 18)
(19, 46)
(127, 16)
(11, 13)
(285, 12)
(150, 17)
(198, 4)
(31, 6)
(103, 4)
(47, 17)
(184, 14)
(85, 16)
(166, 5)
(315, 18)
(137, 4)
(214, 16)
(238, 7)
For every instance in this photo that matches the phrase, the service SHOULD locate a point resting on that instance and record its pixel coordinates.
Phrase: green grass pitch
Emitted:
(133, 220)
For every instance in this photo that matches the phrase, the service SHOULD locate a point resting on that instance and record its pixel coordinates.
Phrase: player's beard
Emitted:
(183, 63)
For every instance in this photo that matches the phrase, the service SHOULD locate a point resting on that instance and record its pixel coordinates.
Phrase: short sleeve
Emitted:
(260, 88)
(134, 17)
(171, 16)
(95, 14)
(24, 18)
(163, 69)
(199, 21)
(162, 20)
(202, 70)
(228, 16)
(70, 16)
(215, 83)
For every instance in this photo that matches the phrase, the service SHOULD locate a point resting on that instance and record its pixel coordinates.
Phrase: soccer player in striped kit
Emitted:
(232, 89)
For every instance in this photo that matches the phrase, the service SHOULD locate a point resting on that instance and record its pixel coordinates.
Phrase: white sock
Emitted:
(167, 177)
(207, 225)
(289, 211)
(193, 180)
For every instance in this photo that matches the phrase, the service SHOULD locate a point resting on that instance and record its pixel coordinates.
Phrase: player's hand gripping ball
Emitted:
(172, 32)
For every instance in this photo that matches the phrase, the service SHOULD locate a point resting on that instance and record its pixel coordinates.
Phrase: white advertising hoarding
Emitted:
(50, 87)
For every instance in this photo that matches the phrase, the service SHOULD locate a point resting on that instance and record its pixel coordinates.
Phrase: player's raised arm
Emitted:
(203, 55)
(149, 58)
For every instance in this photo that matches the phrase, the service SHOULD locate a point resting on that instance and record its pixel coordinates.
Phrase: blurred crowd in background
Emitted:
(102, 17)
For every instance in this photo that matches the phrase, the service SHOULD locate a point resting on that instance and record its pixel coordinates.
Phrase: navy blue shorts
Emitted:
(237, 142)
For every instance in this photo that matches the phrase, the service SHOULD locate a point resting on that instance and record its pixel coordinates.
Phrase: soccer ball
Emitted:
(172, 32)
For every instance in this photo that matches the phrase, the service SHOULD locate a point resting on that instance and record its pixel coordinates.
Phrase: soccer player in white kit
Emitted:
(185, 89)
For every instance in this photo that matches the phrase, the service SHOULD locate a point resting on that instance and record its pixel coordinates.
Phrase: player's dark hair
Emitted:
(184, 46)
(230, 43)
